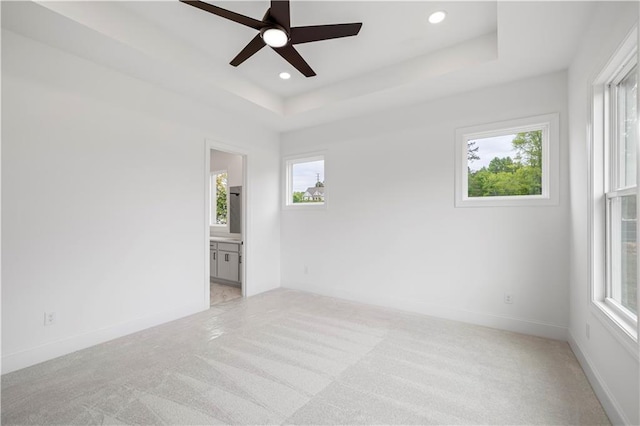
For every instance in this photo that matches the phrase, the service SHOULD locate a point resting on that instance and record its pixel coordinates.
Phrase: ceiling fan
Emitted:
(276, 32)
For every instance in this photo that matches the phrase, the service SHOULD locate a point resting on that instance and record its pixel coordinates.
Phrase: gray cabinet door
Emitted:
(228, 265)
(213, 263)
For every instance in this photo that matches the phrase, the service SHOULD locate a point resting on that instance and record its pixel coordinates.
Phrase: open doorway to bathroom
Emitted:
(226, 226)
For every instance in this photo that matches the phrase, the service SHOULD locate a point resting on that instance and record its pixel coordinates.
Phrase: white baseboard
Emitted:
(534, 328)
(609, 403)
(25, 358)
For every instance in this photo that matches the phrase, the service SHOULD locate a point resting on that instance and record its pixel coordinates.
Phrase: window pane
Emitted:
(307, 182)
(624, 284)
(505, 165)
(221, 199)
(627, 118)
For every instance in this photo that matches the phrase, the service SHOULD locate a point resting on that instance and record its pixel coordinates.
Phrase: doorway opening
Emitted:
(226, 225)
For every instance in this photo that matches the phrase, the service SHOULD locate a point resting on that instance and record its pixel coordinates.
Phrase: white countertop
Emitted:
(225, 239)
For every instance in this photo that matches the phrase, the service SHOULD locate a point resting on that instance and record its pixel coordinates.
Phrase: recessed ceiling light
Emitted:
(275, 37)
(437, 17)
(285, 75)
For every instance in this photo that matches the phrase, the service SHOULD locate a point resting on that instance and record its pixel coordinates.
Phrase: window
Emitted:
(613, 189)
(621, 217)
(219, 199)
(305, 181)
(508, 163)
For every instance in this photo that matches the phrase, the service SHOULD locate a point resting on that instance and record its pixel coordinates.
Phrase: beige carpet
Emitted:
(288, 357)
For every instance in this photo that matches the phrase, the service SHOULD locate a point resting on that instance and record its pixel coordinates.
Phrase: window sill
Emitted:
(306, 206)
(512, 201)
(624, 332)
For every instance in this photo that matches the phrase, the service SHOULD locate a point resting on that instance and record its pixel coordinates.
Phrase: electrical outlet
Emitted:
(49, 318)
(508, 298)
(588, 331)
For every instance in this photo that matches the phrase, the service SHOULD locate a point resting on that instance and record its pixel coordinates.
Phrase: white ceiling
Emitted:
(392, 32)
(397, 59)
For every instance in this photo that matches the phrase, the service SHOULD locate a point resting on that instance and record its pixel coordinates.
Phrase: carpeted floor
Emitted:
(296, 358)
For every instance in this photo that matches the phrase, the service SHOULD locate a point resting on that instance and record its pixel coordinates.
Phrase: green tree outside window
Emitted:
(221, 199)
(521, 175)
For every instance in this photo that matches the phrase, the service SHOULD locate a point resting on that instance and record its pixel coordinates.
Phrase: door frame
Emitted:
(212, 144)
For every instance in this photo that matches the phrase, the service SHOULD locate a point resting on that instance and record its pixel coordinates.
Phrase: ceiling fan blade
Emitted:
(291, 55)
(235, 17)
(323, 32)
(280, 13)
(249, 50)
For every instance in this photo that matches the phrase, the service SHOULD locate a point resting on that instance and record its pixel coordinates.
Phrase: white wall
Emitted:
(103, 194)
(390, 234)
(613, 369)
(232, 163)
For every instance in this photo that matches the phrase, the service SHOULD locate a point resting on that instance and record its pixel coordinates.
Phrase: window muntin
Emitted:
(508, 163)
(305, 181)
(621, 212)
(219, 199)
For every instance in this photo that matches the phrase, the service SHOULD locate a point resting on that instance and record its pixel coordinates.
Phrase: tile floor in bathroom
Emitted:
(223, 293)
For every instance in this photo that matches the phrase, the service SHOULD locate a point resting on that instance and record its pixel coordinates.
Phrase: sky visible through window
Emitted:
(490, 148)
(305, 175)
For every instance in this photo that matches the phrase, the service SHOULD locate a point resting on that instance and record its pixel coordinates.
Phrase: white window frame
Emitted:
(289, 162)
(603, 187)
(613, 173)
(548, 123)
(213, 210)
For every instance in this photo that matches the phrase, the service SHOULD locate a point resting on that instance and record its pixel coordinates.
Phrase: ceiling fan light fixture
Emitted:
(285, 75)
(437, 17)
(275, 37)
(275, 31)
